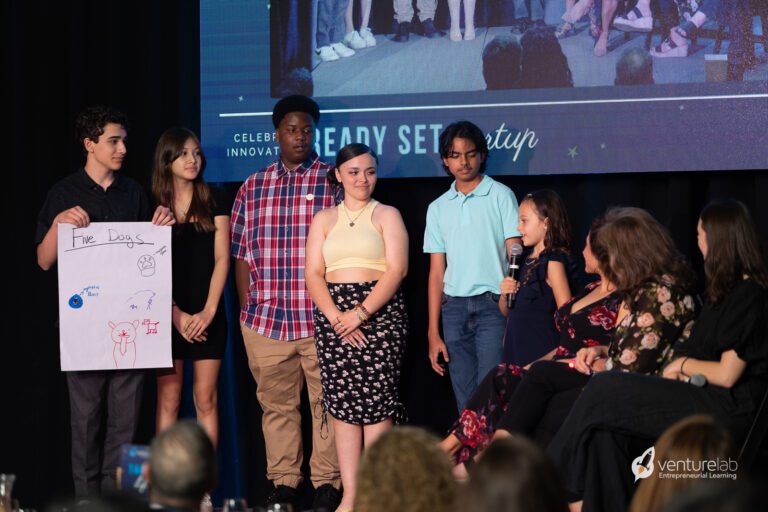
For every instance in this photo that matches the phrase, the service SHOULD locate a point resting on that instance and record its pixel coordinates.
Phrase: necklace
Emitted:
(351, 220)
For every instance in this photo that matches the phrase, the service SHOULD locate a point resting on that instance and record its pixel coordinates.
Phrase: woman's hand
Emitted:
(356, 338)
(346, 323)
(585, 358)
(195, 326)
(180, 319)
(674, 370)
(509, 285)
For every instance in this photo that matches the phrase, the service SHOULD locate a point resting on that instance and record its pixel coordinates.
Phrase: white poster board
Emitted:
(115, 296)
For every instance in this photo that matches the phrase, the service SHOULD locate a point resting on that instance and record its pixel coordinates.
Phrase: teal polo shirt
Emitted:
(472, 231)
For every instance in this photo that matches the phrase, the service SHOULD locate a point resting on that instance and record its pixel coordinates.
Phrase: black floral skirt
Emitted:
(360, 386)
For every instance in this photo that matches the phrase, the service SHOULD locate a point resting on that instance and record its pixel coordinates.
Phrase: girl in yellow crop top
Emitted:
(356, 257)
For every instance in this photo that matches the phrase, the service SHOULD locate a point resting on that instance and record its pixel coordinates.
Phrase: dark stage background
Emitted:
(143, 58)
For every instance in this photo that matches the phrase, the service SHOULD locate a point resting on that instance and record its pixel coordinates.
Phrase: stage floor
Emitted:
(423, 65)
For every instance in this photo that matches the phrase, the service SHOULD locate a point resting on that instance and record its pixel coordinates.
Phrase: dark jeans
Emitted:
(94, 464)
(473, 330)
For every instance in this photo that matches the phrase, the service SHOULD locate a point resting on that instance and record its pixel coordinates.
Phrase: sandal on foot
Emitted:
(669, 48)
(634, 21)
(564, 30)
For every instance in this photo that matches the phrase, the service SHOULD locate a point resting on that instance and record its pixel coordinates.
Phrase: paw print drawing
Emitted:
(124, 338)
(146, 265)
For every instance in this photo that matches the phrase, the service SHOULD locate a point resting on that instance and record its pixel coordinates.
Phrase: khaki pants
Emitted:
(279, 369)
(404, 9)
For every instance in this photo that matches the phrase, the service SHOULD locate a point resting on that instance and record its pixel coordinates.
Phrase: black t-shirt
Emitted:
(123, 201)
(739, 322)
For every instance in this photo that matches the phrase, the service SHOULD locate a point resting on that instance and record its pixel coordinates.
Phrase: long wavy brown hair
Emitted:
(733, 249)
(405, 470)
(548, 205)
(633, 249)
(169, 148)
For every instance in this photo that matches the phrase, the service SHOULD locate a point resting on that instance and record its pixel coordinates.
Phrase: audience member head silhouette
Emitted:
(296, 81)
(501, 63)
(405, 470)
(544, 63)
(634, 67)
(182, 466)
(513, 475)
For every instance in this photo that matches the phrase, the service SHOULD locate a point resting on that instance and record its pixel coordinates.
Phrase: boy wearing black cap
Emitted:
(270, 220)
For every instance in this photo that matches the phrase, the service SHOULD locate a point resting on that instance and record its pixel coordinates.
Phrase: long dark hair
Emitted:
(346, 154)
(733, 249)
(548, 205)
(169, 148)
(633, 249)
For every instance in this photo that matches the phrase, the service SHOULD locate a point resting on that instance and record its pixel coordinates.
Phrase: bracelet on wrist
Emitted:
(362, 313)
(682, 365)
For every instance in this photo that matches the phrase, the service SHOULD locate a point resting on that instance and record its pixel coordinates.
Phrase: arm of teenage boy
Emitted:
(435, 246)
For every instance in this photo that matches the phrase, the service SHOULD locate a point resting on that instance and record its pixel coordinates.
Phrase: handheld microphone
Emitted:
(698, 380)
(514, 270)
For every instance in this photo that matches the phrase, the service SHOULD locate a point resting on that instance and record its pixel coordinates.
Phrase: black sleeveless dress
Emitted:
(193, 262)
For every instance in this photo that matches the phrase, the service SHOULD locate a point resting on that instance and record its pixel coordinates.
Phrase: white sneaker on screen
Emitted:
(342, 50)
(368, 37)
(326, 54)
(354, 41)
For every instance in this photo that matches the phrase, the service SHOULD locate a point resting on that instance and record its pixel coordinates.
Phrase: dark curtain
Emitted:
(290, 39)
(143, 57)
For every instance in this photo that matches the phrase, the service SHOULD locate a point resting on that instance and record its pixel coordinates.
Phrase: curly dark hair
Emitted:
(733, 249)
(91, 121)
(632, 249)
(405, 470)
(544, 63)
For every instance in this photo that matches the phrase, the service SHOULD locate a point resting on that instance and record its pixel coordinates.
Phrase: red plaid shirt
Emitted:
(270, 222)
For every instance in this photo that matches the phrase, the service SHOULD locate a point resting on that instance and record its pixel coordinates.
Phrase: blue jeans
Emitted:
(473, 330)
(330, 21)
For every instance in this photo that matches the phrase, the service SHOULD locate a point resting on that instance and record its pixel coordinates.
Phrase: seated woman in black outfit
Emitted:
(627, 322)
(728, 346)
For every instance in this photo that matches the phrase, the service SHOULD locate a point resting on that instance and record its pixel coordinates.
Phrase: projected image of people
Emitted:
(365, 48)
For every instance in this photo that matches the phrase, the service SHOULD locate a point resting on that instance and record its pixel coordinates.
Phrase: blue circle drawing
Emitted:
(75, 301)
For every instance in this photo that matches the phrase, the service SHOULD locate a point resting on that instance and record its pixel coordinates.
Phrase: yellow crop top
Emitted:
(354, 242)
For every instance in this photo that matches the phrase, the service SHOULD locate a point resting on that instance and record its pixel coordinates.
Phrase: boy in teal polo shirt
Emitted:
(469, 231)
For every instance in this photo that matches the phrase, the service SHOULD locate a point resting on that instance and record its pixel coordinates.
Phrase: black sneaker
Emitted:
(283, 494)
(327, 498)
(403, 32)
(428, 29)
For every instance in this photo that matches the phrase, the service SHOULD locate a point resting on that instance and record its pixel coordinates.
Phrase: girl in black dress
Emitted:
(200, 265)
(545, 280)
(728, 346)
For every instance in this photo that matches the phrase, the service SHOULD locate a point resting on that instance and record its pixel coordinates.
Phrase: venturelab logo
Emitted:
(687, 468)
(642, 467)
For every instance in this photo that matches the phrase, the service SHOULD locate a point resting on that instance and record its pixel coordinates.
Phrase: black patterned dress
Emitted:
(360, 386)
